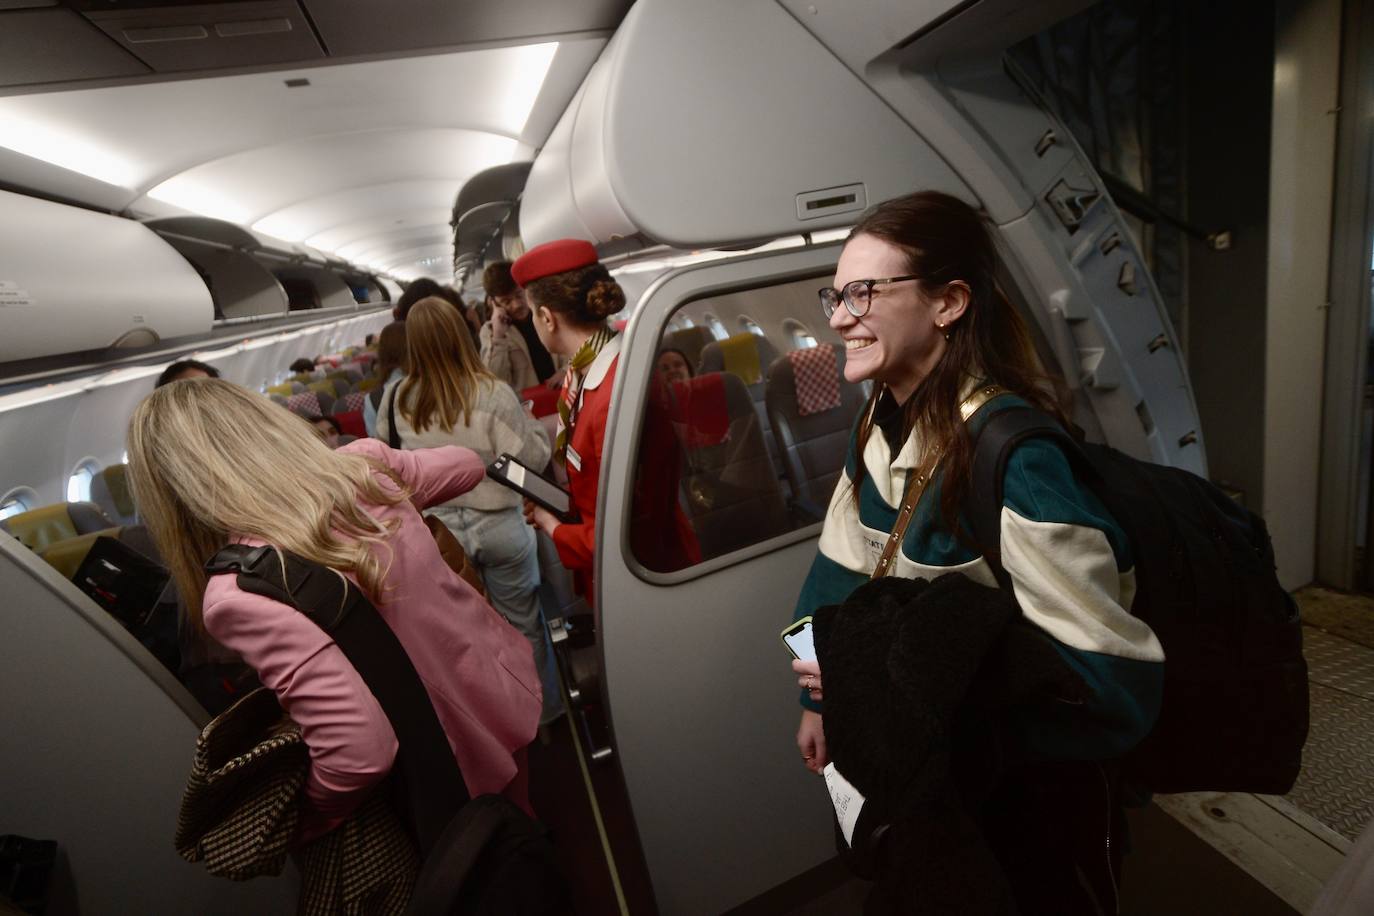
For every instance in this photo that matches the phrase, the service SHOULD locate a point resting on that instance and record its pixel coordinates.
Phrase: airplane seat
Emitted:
(813, 444)
(731, 491)
(350, 402)
(46, 525)
(284, 390)
(309, 404)
(367, 384)
(747, 356)
(350, 372)
(66, 555)
(111, 492)
(690, 342)
(325, 387)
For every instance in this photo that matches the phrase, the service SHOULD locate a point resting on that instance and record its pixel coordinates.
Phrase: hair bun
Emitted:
(605, 298)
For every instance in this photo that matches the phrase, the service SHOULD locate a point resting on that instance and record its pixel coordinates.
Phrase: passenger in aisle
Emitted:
(304, 365)
(449, 398)
(186, 368)
(213, 464)
(511, 347)
(391, 358)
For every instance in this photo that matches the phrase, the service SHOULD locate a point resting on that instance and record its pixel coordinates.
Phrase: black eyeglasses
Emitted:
(857, 295)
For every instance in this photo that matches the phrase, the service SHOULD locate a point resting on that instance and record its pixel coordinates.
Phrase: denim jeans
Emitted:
(502, 546)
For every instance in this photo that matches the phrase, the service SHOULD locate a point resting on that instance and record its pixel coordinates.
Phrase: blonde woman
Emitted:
(449, 398)
(213, 464)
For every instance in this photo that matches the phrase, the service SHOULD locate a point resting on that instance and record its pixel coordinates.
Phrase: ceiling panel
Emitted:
(44, 46)
(370, 27)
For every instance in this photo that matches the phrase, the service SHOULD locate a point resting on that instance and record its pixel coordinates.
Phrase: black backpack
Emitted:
(1235, 707)
(481, 856)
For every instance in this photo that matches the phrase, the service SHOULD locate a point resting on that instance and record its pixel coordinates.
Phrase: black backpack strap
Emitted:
(993, 444)
(433, 787)
(393, 435)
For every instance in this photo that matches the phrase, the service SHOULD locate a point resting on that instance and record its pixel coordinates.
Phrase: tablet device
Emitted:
(530, 483)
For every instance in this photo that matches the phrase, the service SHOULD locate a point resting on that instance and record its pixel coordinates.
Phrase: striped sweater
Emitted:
(1070, 566)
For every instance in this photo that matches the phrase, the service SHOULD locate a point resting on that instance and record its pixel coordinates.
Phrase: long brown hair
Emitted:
(445, 369)
(209, 460)
(946, 240)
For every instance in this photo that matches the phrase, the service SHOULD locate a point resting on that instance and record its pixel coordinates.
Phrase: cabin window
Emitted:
(734, 451)
(751, 326)
(20, 499)
(79, 483)
(716, 325)
(798, 333)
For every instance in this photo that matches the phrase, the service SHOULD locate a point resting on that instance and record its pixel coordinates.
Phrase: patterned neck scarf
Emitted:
(571, 403)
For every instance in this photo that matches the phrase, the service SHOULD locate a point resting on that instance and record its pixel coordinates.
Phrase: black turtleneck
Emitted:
(539, 357)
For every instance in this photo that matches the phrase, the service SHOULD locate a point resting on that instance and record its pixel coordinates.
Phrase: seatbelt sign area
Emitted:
(848, 801)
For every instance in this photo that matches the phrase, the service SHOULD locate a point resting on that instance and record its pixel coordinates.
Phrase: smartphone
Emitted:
(528, 482)
(797, 639)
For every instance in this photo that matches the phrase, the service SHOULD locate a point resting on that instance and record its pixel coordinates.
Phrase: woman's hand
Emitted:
(540, 518)
(500, 320)
(811, 741)
(810, 677)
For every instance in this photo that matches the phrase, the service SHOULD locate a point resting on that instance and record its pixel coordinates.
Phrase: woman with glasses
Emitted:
(916, 301)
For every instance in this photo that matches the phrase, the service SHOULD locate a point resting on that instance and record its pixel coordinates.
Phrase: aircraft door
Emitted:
(705, 537)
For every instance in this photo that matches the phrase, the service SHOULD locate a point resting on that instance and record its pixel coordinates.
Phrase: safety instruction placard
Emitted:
(12, 295)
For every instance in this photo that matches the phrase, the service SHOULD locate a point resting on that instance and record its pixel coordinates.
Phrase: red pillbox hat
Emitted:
(552, 258)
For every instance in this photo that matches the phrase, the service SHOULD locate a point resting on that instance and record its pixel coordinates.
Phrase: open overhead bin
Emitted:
(73, 280)
(485, 215)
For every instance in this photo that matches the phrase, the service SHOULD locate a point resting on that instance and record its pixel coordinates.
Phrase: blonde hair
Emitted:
(444, 368)
(209, 460)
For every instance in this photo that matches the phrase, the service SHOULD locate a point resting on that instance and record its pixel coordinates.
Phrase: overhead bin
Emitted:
(714, 154)
(484, 213)
(74, 280)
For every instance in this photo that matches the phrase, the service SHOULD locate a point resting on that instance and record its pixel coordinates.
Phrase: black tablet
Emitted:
(530, 483)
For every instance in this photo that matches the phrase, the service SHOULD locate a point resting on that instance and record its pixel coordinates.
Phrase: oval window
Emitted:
(20, 499)
(751, 326)
(79, 483)
(799, 334)
(717, 328)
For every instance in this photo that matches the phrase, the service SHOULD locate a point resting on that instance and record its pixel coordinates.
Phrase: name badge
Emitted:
(574, 459)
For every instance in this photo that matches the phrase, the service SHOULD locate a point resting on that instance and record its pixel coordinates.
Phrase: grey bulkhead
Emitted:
(702, 703)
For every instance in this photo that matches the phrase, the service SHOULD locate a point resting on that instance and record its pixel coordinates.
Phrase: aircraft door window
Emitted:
(748, 446)
(79, 483)
(16, 501)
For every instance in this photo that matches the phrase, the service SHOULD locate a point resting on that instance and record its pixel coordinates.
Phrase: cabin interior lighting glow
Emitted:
(529, 67)
(190, 194)
(63, 146)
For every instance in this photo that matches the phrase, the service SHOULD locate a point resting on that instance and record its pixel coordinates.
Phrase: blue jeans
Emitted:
(502, 546)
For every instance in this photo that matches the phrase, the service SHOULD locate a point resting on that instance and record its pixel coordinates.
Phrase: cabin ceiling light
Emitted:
(63, 146)
(189, 194)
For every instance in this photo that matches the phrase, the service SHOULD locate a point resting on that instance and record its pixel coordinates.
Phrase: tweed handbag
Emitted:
(239, 812)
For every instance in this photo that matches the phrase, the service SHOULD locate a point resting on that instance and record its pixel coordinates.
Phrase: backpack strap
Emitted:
(393, 435)
(431, 783)
(993, 444)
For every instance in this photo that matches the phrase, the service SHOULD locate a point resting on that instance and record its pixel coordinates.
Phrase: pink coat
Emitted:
(478, 669)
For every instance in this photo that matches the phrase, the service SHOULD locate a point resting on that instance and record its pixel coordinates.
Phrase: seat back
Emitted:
(748, 357)
(350, 402)
(690, 341)
(811, 448)
(730, 486)
(308, 404)
(110, 491)
(46, 525)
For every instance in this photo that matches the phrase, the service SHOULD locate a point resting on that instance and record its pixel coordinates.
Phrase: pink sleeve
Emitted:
(352, 745)
(434, 475)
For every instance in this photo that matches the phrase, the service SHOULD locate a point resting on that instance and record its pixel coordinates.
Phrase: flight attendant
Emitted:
(572, 294)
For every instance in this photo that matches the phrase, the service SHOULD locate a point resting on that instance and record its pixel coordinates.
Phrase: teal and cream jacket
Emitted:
(1069, 562)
